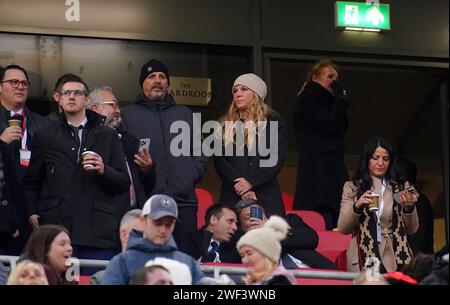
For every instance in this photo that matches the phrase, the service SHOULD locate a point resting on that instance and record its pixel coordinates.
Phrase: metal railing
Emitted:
(216, 270)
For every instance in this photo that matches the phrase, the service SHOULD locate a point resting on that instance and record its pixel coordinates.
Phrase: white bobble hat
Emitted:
(266, 239)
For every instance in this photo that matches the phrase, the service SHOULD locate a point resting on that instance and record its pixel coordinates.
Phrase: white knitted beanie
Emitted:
(254, 82)
(267, 238)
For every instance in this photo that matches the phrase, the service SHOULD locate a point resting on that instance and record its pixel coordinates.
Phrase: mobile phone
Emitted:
(256, 212)
(411, 189)
(144, 143)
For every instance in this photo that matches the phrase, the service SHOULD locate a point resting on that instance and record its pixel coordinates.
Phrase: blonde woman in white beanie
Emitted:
(254, 139)
(260, 250)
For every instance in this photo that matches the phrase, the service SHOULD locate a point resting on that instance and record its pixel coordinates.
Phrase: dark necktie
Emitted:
(77, 138)
(213, 254)
(17, 116)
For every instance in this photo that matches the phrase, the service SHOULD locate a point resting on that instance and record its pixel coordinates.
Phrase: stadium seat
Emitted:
(205, 200)
(311, 218)
(288, 201)
(333, 245)
(84, 280)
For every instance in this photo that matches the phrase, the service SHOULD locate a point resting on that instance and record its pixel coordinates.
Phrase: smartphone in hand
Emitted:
(256, 212)
(144, 143)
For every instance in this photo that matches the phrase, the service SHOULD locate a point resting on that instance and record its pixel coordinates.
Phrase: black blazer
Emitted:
(198, 242)
(143, 183)
(301, 242)
(12, 215)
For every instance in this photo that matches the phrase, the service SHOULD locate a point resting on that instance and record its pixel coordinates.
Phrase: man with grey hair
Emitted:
(130, 221)
(103, 101)
(139, 162)
(298, 249)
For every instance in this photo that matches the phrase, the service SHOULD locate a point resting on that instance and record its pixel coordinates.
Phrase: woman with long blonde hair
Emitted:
(254, 142)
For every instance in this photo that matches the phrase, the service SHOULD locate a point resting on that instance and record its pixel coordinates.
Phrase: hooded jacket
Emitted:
(176, 176)
(140, 251)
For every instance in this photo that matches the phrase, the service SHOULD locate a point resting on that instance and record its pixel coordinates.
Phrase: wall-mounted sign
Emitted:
(190, 90)
(360, 16)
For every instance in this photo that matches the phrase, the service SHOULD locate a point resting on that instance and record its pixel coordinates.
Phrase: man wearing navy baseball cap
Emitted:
(151, 116)
(159, 216)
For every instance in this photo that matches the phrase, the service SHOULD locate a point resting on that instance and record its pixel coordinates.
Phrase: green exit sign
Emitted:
(361, 16)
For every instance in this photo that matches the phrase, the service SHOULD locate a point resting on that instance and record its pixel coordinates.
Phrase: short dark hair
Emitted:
(11, 67)
(216, 210)
(140, 276)
(67, 78)
(39, 243)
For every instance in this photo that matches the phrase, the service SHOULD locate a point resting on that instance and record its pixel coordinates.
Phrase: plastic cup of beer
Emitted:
(15, 122)
(84, 156)
(373, 206)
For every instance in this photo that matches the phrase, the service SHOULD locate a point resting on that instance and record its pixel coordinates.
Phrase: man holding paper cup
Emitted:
(76, 170)
(18, 126)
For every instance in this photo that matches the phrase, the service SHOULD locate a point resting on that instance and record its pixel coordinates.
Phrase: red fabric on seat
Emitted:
(311, 218)
(288, 201)
(84, 280)
(205, 200)
(333, 245)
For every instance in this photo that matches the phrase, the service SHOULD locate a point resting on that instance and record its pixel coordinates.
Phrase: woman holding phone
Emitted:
(379, 234)
(254, 143)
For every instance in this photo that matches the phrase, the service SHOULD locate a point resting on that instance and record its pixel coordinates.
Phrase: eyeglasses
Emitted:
(79, 94)
(15, 83)
(114, 104)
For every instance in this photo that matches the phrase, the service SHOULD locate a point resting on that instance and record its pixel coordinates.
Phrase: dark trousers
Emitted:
(186, 224)
(10, 245)
(85, 252)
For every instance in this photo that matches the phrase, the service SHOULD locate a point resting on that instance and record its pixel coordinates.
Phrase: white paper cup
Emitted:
(84, 155)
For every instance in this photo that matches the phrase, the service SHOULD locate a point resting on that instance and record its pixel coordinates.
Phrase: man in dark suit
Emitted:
(214, 242)
(139, 162)
(298, 248)
(15, 142)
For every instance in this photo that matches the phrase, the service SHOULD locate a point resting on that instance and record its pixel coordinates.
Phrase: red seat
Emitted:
(311, 218)
(333, 245)
(84, 280)
(205, 200)
(288, 201)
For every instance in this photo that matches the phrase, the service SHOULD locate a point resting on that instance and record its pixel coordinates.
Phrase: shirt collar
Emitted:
(83, 123)
(12, 113)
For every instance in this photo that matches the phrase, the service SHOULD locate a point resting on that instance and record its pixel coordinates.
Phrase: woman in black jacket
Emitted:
(320, 123)
(254, 140)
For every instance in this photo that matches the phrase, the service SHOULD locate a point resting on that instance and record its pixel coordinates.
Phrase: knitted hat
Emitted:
(180, 274)
(266, 239)
(254, 82)
(153, 66)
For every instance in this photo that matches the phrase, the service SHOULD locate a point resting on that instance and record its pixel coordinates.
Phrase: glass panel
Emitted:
(118, 62)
